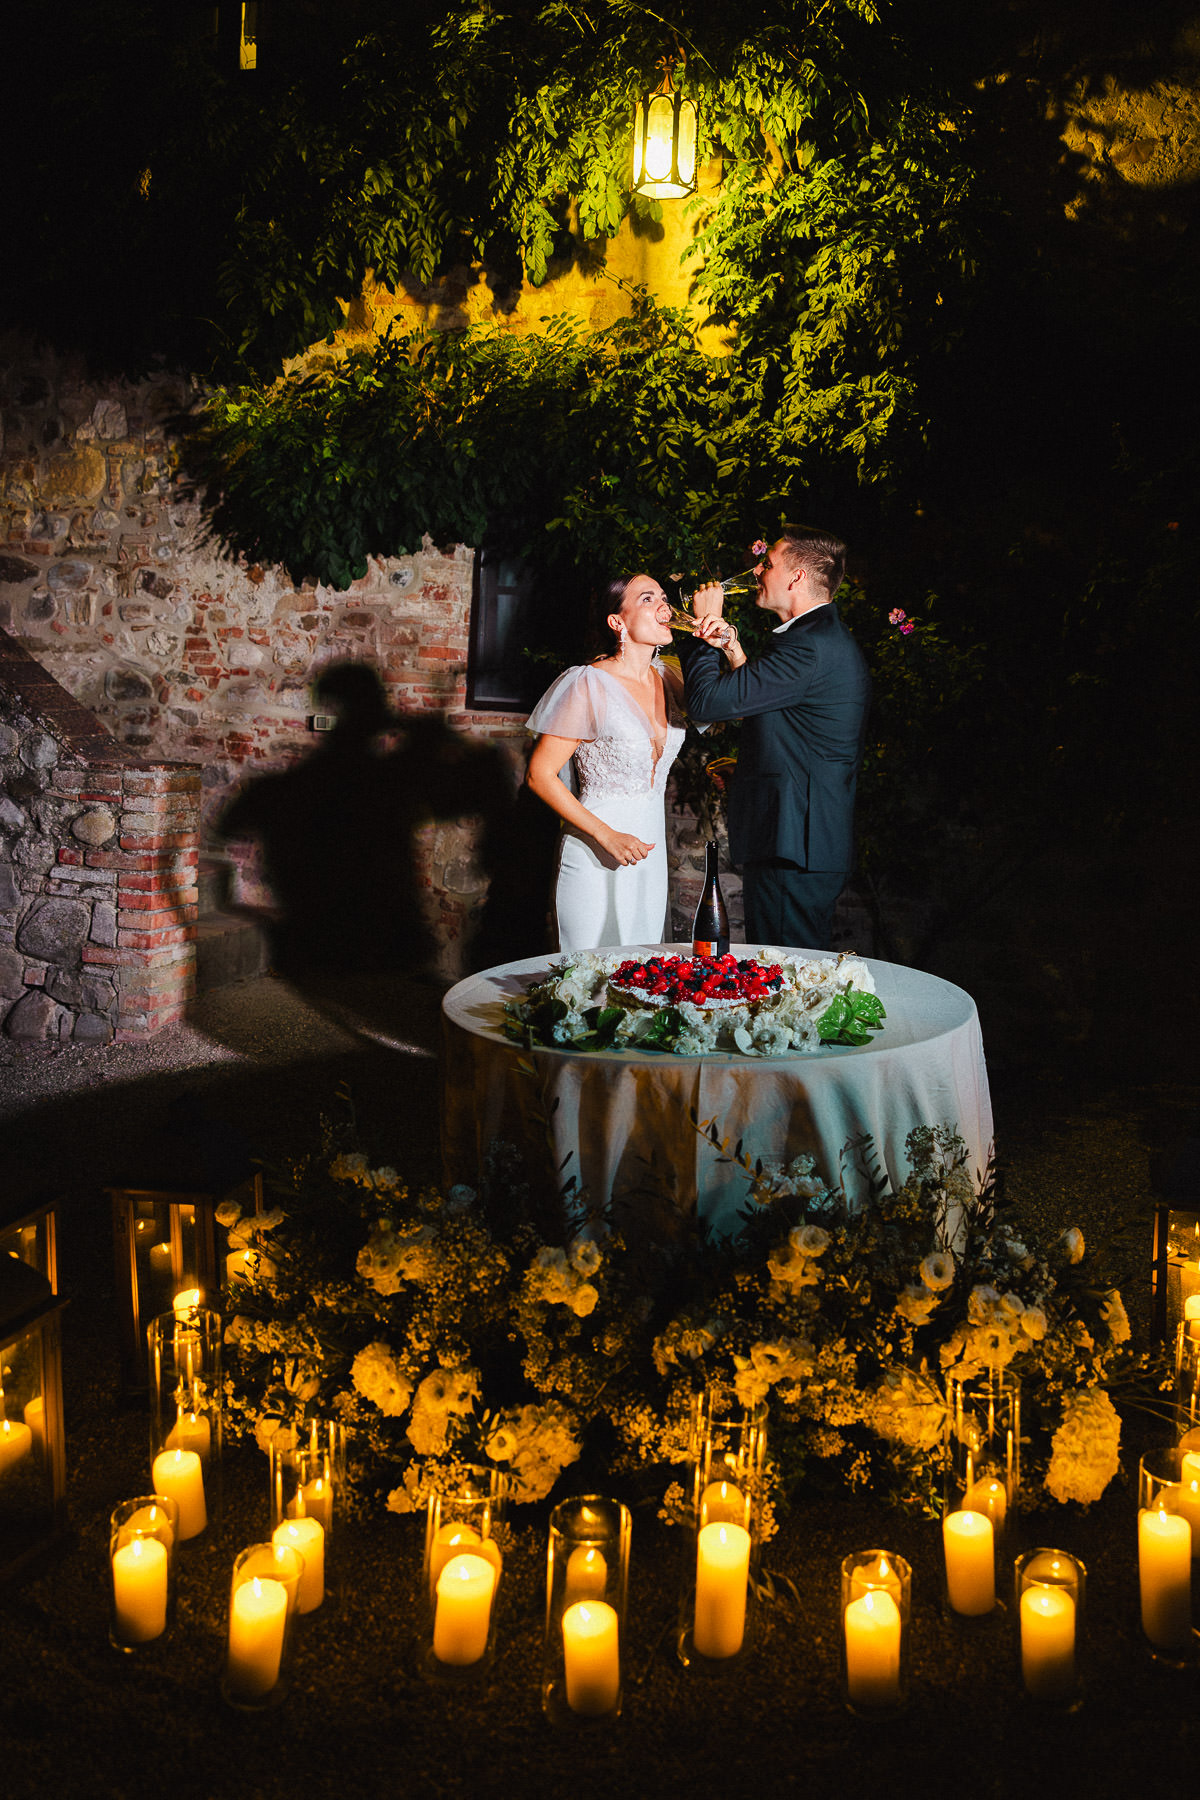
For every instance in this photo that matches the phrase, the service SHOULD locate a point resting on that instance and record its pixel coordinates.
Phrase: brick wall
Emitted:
(109, 581)
(98, 858)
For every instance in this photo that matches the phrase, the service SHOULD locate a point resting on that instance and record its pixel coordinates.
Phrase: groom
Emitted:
(804, 702)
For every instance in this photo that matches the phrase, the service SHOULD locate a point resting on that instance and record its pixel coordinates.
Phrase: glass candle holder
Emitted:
(969, 1556)
(462, 1570)
(142, 1537)
(185, 1414)
(1050, 1592)
(876, 1604)
(263, 1602)
(1168, 1523)
(587, 1580)
(1187, 1374)
(715, 1608)
(307, 1477)
(308, 1472)
(983, 1446)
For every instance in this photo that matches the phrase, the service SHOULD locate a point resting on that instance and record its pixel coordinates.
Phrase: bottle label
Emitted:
(705, 947)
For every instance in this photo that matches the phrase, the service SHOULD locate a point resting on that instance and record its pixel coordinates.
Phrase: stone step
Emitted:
(228, 947)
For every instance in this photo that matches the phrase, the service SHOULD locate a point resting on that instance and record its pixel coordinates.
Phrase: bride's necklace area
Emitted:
(648, 683)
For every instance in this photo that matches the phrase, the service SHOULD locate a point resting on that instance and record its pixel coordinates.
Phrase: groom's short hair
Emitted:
(823, 555)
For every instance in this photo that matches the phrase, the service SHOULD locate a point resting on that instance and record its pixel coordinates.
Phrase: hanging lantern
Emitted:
(664, 144)
(33, 1460)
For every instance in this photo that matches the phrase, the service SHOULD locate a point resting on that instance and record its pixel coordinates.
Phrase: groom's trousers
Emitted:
(789, 906)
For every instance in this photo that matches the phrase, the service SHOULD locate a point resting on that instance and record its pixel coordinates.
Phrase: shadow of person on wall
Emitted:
(335, 833)
(338, 836)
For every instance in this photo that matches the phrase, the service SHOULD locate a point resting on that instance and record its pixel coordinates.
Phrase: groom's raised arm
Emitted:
(714, 693)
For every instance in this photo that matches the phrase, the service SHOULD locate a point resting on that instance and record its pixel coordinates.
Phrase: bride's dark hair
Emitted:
(608, 601)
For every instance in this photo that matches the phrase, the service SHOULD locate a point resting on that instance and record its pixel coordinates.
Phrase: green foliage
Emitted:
(844, 216)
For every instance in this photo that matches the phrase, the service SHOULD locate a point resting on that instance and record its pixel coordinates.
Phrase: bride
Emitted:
(619, 722)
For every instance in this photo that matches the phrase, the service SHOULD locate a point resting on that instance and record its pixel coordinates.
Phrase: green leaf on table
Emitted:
(851, 1018)
(604, 1021)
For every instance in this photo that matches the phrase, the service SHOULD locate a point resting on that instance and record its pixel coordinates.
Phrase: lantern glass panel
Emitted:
(664, 148)
(165, 1258)
(1183, 1263)
(33, 1240)
(32, 1459)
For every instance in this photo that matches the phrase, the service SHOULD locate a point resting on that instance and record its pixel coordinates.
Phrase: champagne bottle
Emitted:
(710, 927)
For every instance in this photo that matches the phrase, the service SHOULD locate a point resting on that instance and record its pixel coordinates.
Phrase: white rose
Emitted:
(1071, 1244)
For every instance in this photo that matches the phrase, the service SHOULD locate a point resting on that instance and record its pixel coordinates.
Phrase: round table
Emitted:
(621, 1121)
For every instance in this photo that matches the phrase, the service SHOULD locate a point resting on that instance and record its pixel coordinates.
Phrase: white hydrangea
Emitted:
(1085, 1452)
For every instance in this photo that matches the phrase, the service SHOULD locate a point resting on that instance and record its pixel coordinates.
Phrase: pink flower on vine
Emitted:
(759, 547)
(897, 616)
(907, 629)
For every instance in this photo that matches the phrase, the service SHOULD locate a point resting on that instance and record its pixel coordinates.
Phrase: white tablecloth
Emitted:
(619, 1120)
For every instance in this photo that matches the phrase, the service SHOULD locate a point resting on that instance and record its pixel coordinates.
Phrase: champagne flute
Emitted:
(683, 620)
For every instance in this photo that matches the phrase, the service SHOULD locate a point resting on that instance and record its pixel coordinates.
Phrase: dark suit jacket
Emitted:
(804, 702)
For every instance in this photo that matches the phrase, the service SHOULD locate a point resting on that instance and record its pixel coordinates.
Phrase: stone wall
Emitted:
(98, 855)
(108, 579)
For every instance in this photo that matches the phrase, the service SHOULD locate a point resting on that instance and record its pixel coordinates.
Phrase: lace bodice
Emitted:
(619, 754)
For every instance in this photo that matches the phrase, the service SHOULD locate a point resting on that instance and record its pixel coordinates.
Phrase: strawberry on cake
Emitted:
(710, 982)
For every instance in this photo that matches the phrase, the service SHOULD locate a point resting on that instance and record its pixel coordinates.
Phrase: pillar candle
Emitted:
(587, 1574)
(151, 1520)
(139, 1578)
(35, 1419)
(160, 1257)
(314, 1500)
(185, 1301)
(1188, 1503)
(1048, 1642)
(308, 1537)
(464, 1609)
(989, 1497)
(1165, 1578)
(257, 1620)
(179, 1475)
(453, 1539)
(969, 1544)
(872, 1625)
(592, 1657)
(722, 1569)
(16, 1441)
(867, 1578)
(191, 1431)
(722, 1503)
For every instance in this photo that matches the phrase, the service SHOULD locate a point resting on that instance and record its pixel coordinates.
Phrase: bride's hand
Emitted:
(624, 848)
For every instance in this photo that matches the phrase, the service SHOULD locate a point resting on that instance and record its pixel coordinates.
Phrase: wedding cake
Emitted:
(760, 1005)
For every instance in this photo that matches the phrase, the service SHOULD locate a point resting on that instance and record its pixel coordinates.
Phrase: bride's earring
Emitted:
(624, 637)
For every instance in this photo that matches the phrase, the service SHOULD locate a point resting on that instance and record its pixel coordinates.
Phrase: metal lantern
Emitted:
(664, 144)
(1176, 1267)
(33, 1462)
(32, 1237)
(165, 1249)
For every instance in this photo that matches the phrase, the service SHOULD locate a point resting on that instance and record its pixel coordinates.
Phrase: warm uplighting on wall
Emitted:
(664, 144)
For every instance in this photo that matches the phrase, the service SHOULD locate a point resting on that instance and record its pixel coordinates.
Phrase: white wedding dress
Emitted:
(620, 771)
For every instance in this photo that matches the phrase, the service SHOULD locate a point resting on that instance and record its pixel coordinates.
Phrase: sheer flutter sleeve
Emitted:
(574, 706)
